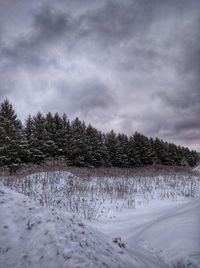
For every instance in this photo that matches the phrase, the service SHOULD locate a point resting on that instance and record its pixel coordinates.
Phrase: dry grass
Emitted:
(91, 193)
(154, 170)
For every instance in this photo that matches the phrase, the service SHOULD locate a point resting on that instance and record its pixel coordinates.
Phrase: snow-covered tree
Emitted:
(161, 151)
(114, 149)
(13, 148)
(140, 151)
(54, 137)
(61, 136)
(96, 153)
(123, 150)
(37, 137)
(51, 134)
(77, 143)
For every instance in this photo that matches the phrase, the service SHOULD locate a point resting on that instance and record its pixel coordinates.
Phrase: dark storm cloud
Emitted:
(108, 25)
(117, 21)
(131, 65)
(49, 28)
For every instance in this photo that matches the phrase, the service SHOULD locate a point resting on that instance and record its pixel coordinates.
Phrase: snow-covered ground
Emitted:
(197, 169)
(102, 197)
(156, 218)
(38, 237)
(171, 230)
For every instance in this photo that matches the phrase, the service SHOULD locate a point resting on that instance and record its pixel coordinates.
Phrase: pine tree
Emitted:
(29, 138)
(192, 158)
(64, 141)
(13, 149)
(114, 149)
(123, 150)
(96, 151)
(51, 129)
(77, 143)
(140, 151)
(37, 138)
(52, 136)
(161, 152)
(174, 155)
(62, 133)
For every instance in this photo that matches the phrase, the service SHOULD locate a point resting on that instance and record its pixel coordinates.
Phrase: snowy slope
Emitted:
(171, 230)
(175, 233)
(37, 237)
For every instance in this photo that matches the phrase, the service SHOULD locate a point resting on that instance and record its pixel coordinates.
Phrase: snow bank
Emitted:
(175, 234)
(168, 229)
(32, 236)
(37, 237)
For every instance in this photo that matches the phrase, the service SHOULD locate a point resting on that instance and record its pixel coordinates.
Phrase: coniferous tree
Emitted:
(174, 155)
(148, 154)
(161, 152)
(134, 153)
(95, 155)
(52, 136)
(77, 143)
(113, 148)
(51, 129)
(62, 133)
(34, 156)
(64, 140)
(140, 151)
(13, 148)
(123, 150)
(37, 137)
(192, 158)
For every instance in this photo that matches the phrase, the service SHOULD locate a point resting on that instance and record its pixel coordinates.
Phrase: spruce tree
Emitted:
(13, 150)
(52, 136)
(51, 129)
(37, 137)
(113, 148)
(59, 136)
(161, 152)
(123, 150)
(192, 158)
(29, 138)
(77, 143)
(64, 140)
(174, 155)
(140, 151)
(95, 154)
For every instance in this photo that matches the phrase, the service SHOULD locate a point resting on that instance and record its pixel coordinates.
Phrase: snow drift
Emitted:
(170, 230)
(37, 237)
(175, 234)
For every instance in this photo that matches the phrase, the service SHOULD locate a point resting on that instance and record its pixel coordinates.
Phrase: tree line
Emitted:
(51, 136)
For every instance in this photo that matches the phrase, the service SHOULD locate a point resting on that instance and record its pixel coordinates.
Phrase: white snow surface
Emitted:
(197, 168)
(36, 237)
(171, 230)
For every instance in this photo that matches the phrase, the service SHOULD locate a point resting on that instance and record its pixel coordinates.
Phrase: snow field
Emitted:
(95, 198)
(35, 236)
(156, 218)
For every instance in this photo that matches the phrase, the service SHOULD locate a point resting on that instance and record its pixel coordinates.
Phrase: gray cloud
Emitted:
(117, 21)
(127, 65)
(91, 100)
(30, 49)
(93, 96)
(185, 98)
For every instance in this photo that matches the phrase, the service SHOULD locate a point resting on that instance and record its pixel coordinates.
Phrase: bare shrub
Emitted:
(92, 197)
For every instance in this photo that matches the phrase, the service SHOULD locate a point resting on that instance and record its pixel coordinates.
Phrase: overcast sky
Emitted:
(123, 65)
